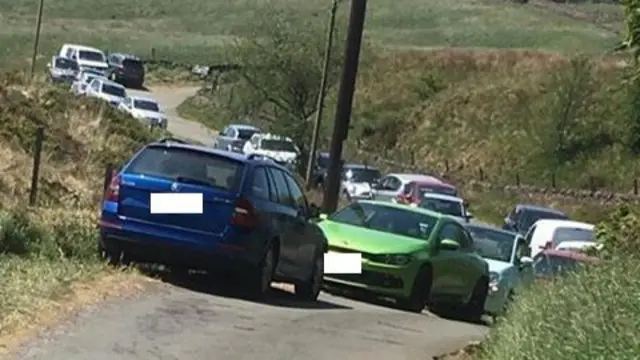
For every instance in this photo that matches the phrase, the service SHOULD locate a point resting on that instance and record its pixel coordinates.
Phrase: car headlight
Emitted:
(394, 259)
(494, 281)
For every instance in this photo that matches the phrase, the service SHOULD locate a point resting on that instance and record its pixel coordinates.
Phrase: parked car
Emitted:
(321, 168)
(523, 216)
(62, 70)
(567, 234)
(550, 263)
(254, 221)
(509, 266)
(413, 191)
(126, 69)
(87, 57)
(413, 255)
(445, 204)
(280, 148)
(144, 109)
(106, 90)
(84, 77)
(356, 181)
(390, 186)
(234, 136)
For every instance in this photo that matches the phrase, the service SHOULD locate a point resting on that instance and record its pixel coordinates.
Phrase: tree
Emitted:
(280, 63)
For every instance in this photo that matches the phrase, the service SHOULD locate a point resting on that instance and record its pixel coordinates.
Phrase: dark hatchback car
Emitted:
(126, 69)
(254, 221)
(523, 216)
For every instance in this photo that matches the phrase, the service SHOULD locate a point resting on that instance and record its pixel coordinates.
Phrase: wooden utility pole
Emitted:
(321, 95)
(36, 41)
(345, 102)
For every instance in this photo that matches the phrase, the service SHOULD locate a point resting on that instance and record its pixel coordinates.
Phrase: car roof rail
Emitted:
(168, 140)
(260, 157)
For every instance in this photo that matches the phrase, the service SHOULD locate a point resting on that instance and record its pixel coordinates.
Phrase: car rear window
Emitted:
(132, 64)
(192, 166)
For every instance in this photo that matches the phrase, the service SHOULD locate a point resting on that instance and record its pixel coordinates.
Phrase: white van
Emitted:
(87, 57)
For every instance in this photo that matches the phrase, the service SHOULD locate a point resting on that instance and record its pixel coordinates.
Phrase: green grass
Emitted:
(194, 30)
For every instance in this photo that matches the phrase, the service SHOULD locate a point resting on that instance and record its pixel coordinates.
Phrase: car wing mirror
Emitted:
(449, 244)
(525, 262)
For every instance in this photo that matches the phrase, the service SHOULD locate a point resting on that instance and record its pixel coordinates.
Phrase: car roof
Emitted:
(575, 255)
(355, 166)
(555, 223)
(539, 208)
(483, 225)
(442, 197)
(125, 56)
(415, 177)
(143, 98)
(434, 181)
(410, 208)
(208, 150)
(243, 127)
(85, 48)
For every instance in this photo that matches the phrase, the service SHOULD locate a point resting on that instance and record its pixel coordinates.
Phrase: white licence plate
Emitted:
(342, 263)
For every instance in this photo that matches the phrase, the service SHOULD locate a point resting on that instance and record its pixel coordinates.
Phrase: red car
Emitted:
(414, 191)
(551, 263)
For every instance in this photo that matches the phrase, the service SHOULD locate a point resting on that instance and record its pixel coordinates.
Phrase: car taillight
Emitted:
(244, 214)
(113, 190)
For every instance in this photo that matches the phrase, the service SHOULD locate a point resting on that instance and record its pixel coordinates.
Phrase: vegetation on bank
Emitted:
(46, 248)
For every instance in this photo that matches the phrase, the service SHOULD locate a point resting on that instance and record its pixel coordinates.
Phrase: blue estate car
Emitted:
(255, 219)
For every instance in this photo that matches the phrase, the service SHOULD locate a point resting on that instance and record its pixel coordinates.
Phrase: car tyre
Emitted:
(110, 253)
(417, 301)
(310, 290)
(260, 281)
(474, 309)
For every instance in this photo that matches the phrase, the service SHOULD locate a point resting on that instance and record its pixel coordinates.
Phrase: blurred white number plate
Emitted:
(342, 263)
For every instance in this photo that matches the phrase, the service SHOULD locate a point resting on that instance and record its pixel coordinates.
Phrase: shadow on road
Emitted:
(230, 287)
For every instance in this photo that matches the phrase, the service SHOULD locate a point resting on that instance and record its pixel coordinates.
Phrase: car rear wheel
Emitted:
(419, 293)
(260, 281)
(310, 289)
(474, 309)
(110, 253)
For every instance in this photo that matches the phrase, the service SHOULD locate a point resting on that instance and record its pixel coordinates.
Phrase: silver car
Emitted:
(357, 181)
(234, 136)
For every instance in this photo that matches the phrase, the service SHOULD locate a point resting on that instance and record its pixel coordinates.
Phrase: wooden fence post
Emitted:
(553, 180)
(635, 186)
(37, 153)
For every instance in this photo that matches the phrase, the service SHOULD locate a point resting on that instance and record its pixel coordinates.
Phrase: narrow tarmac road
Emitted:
(189, 319)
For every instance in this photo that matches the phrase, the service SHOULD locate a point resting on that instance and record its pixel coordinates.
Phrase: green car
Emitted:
(416, 256)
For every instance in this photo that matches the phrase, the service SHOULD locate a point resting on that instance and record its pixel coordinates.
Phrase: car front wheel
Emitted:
(417, 301)
(474, 309)
(259, 281)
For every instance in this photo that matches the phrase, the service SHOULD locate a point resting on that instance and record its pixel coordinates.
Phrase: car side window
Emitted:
(394, 183)
(407, 188)
(464, 239)
(448, 231)
(260, 184)
(297, 193)
(284, 196)
(530, 234)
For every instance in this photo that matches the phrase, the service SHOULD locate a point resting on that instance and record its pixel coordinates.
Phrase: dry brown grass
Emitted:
(487, 109)
(48, 250)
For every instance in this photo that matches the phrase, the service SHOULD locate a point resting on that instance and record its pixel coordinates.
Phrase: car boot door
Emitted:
(389, 189)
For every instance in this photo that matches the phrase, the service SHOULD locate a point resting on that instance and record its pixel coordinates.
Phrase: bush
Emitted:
(49, 234)
(590, 314)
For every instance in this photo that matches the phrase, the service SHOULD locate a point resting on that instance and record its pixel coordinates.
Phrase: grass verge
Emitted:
(49, 250)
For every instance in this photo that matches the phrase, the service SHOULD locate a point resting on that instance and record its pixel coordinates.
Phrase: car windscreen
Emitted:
(191, 166)
(562, 234)
(132, 64)
(66, 64)
(492, 243)
(246, 134)
(528, 217)
(277, 145)
(90, 55)
(146, 105)
(113, 90)
(389, 219)
(443, 206)
(358, 175)
(546, 265)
